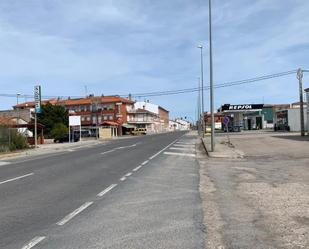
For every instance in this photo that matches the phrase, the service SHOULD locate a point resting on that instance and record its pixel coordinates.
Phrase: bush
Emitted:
(59, 130)
(18, 141)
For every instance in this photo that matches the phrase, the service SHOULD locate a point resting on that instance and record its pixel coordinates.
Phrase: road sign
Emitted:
(37, 99)
(74, 120)
(226, 120)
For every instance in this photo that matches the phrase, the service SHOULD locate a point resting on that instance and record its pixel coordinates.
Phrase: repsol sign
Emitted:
(244, 107)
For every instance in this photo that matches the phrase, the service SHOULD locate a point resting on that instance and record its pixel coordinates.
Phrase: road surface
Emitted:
(140, 192)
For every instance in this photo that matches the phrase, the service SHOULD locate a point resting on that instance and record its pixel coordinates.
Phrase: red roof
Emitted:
(110, 123)
(81, 101)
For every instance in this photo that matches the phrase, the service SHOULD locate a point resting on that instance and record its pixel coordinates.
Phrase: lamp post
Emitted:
(300, 75)
(211, 83)
(202, 89)
(17, 98)
(199, 106)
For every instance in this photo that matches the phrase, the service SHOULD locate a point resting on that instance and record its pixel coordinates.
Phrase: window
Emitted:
(110, 117)
(82, 118)
(105, 117)
(88, 118)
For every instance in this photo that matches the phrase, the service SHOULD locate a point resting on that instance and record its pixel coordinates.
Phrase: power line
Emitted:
(178, 91)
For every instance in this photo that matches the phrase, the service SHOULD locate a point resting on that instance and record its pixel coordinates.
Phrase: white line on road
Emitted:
(74, 213)
(128, 174)
(143, 163)
(179, 148)
(122, 178)
(137, 168)
(179, 154)
(105, 152)
(153, 156)
(107, 190)
(4, 163)
(16, 178)
(33, 242)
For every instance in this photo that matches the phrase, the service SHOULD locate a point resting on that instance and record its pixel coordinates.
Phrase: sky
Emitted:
(134, 46)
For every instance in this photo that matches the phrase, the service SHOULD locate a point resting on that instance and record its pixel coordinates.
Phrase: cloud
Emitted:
(144, 45)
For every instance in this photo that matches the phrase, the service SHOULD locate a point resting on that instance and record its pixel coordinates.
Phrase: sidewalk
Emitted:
(223, 148)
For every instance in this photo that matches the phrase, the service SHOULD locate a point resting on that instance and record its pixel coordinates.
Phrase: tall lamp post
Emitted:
(17, 98)
(202, 89)
(211, 84)
(300, 75)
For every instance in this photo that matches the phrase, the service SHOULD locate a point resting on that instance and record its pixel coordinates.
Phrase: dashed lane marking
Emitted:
(179, 148)
(109, 151)
(143, 163)
(16, 178)
(74, 213)
(137, 168)
(107, 190)
(128, 174)
(179, 154)
(123, 178)
(33, 242)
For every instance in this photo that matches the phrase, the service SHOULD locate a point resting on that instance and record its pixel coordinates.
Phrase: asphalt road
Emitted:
(104, 196)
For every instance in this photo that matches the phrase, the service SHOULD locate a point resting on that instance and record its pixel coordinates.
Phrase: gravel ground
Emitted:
(261, 200)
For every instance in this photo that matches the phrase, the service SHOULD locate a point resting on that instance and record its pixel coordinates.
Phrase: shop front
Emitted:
(244, 117)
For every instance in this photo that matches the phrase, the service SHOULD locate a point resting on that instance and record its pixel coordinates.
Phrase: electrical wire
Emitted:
(178, 91)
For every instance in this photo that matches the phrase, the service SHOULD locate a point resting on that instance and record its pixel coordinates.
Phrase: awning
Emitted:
(112, 123)
(128, 126)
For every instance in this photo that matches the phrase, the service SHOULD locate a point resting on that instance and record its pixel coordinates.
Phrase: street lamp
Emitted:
(18, 115)
(202, 88)
(17, 96)
(211, 83)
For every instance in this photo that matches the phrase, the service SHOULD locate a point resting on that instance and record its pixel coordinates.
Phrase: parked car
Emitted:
(86, 133)
(65, 138)
(139, 131)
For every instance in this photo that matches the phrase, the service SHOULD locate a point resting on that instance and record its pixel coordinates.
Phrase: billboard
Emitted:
(74, 121)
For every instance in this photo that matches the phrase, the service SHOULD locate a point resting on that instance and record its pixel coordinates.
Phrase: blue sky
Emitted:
(129, 46)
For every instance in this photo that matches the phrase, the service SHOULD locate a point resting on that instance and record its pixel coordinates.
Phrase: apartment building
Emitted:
(94, 110)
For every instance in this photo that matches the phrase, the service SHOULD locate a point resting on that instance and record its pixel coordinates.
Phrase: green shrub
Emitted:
(18, 141)
(59, 130)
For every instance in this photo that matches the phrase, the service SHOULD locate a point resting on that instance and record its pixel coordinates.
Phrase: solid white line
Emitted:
(16, 178)
(106, 190)
(180, 143)
(33, 242)
(143, 163)
(179, 154)
(137, 168)
(123, 178)
(70, 150)
(74, 213)
(158, 153)
(105, 152)
(185, 146)
(4, 163)
(128, 174)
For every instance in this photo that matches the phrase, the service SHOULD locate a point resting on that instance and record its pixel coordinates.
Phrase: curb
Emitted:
(204, 145)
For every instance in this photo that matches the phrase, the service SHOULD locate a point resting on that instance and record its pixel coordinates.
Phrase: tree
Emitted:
(59, 130)
(52, 115)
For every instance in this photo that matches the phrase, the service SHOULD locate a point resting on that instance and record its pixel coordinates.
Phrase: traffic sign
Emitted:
(226, 120)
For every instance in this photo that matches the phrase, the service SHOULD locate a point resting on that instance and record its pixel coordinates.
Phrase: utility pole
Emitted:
(199, 105)
(211, 84)
(202, 90)
(300, 75)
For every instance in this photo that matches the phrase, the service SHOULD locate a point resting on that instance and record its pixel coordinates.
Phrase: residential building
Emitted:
(142, 118)
(94, 111)
(162, 113)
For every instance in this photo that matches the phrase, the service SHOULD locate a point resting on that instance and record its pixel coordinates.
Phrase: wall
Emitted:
(294, 119)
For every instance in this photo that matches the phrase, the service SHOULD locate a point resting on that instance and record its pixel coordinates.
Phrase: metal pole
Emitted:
(301, 101)
(35, 130)
(199, 105)
(202, 81)
(211, 84)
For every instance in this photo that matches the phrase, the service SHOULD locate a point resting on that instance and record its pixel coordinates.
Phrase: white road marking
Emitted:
(128, 174)
(137, 168)
(74, 213)
(184, 146)
(16, 178)
(33, 242)
(122, 178)
(158, 153)
(180, 143)
(179, 154)
(143, 163)
(70, 150)
(4, 163)
(105, 152)
(106, 190)
(179, 148)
